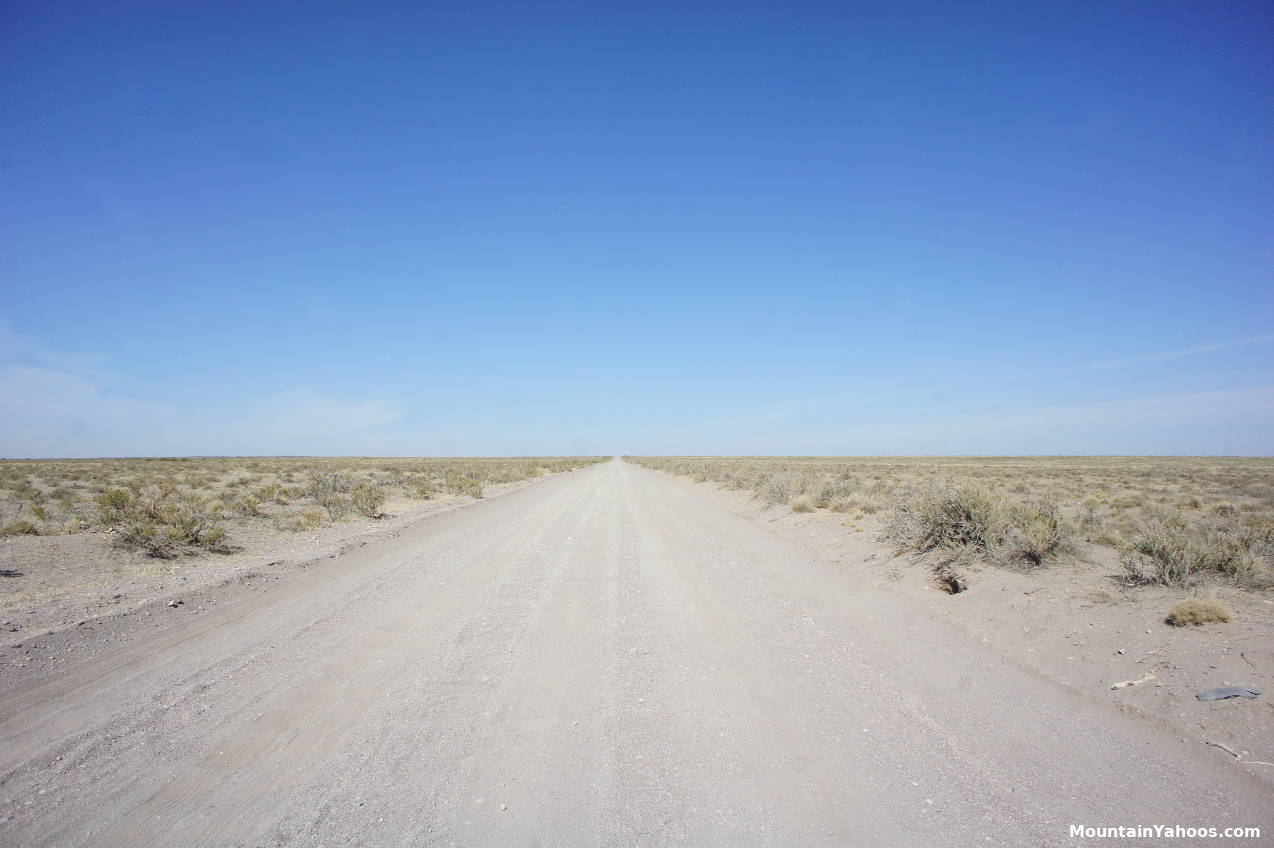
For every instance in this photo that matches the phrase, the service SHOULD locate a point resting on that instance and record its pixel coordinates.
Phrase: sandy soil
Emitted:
(606, 657)
(50, 583)
(1077, 624)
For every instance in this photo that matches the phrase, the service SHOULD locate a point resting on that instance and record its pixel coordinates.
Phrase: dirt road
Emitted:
(603, 658)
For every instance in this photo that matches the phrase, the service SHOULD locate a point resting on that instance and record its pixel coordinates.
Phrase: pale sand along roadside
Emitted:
(54, 584)
(1076, 623)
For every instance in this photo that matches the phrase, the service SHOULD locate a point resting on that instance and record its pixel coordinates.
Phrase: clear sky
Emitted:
(539, 228)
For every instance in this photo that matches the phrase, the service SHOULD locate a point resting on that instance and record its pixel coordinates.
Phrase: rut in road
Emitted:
(602, 658)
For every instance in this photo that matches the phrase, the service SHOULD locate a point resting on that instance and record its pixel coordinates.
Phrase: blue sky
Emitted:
(479, 228)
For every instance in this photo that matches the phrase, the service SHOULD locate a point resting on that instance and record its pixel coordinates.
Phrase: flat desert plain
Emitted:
(644, 651)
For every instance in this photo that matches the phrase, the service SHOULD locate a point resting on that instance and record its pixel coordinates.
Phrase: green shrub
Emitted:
(1169, 550)
(1034, 534)
(147, 537)
(113, 504)
(311, 519)
(368, 498)
(337, 506)
(462, 484)
(213, 538)
(165, 541)
(272, 493)
(329, 483)
(156, 520)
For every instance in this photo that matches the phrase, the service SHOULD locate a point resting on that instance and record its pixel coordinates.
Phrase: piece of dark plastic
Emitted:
(1227, 692)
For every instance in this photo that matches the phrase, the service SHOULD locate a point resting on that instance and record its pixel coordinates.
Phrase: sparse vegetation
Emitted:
(1173, 551)
(368, 498)
(296, 522)
(1173, 520)
(337, 505)
(167, 507)
(1035, 534)
(463, 484)
(961, 517)
(21, 527)
(1193, 612)
(964, 522)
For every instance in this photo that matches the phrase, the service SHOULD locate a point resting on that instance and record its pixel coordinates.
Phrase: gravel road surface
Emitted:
(603, 658)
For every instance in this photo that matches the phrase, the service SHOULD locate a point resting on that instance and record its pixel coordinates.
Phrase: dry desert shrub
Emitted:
(171, 506)
(1028, 510)
(1034, 534)
(965, 521)
(463, 484)
(420, 486)
(337, 506)
(1172, 551)
(160, 522)
(297, 522)
(778, 489)
(368, 498)
(20, 527)
(962, 517)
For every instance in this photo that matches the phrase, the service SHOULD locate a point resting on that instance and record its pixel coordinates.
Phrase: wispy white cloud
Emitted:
(52, 412)
(898, 425)
(67, 404)
(306, 415)
(63, 405)
(1160, 356)
(1064, 370)
(16, 348)
(1234, 421)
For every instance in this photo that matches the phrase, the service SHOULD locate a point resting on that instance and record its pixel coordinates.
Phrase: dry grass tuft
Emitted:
(802, 504)
(20, 527)
(1193, 612)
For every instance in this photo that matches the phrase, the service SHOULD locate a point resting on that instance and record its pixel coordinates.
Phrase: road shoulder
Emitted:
(1075, 625)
